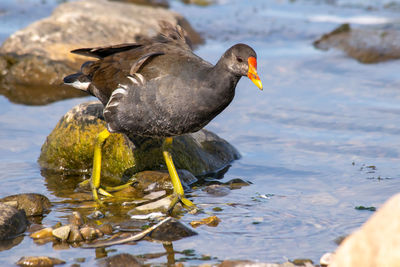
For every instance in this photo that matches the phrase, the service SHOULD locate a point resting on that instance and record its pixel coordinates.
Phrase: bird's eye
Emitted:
(239, 59)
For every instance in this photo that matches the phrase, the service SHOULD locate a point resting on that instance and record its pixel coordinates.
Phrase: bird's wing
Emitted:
(138, 63)
(104, 51)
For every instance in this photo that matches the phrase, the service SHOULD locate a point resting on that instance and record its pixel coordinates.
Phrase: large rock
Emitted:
(367, 45)
(33, 204)
(12, 221)
(40, 54)
(377, 243)
(69, 148)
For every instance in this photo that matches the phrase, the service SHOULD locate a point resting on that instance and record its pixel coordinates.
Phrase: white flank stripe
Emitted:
(114, 104)
(119, 91)
(140, 76)
(133, 80)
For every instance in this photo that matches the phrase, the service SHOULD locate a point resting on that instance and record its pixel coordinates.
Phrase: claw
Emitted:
(186, 203)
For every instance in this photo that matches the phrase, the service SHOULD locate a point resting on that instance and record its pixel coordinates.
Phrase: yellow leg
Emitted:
(95, 181)
(179, 194)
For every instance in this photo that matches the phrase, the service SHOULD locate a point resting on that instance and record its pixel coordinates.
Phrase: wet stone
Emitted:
(326, 259)
(88, 233)
(98, 232)
(367, 45)
(12, 221)
(76, 219)
(33, 204)
(217, 190)
(43, 233)
(302, 262)
(62, 232)
(106, 228)
(39, 261)
(212, 221)
(236, 183)
(171, 231)
(75, 235)
(155, 195)
(159, 205)
(123, 259)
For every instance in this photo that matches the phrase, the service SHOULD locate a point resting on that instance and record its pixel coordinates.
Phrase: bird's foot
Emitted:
(119, 187)
(104, 190)
(186, 203)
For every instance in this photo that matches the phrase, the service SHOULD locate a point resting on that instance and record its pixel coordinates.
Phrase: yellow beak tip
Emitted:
(258, 84)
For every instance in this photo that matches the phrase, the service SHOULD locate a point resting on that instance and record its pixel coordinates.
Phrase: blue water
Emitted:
(306, 140)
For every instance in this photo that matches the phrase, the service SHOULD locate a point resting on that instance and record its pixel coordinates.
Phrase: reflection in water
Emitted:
(10, 243)
(38, 94)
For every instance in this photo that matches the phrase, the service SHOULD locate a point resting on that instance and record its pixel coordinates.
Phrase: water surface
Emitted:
(307, 140)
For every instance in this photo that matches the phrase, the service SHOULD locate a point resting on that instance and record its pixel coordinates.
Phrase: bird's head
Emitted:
(242, 61)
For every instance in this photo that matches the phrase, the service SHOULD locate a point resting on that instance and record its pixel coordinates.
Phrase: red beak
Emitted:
(252, 73)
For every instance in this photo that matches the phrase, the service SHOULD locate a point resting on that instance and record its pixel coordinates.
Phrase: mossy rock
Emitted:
(69, 149)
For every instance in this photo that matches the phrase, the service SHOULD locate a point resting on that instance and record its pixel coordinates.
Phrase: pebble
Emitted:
(123, 259)
(155, 195)
(326, 259)
(39, 261)
(96, 215)
(76, 219)
(212, 221)
(75, 235)
(106, 228)
(217, 190)
(161, 204)
(62, 232)
(149, 216)
(88, 233)
(43, 233)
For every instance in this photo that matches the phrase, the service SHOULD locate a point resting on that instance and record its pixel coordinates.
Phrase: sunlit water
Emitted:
(306, 140)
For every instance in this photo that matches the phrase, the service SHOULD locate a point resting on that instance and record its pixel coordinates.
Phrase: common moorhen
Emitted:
(159, 88)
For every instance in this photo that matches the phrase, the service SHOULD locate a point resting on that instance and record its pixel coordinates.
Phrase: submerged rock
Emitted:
(12, 221)
(69, 149)
(367, 45)
(33, 204)
(39, 55)
(122, 259)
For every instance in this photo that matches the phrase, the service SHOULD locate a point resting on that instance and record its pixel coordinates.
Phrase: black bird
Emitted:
(159, 88)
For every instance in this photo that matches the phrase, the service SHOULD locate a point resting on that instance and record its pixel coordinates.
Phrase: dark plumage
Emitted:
(158, 87)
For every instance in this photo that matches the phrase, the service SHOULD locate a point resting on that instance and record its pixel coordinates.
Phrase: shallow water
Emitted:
(306, 140)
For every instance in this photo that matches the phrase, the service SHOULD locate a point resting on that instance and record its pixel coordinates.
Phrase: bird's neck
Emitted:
(225, 80)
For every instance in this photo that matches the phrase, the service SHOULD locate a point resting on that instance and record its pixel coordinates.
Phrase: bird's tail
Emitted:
(78, 80)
